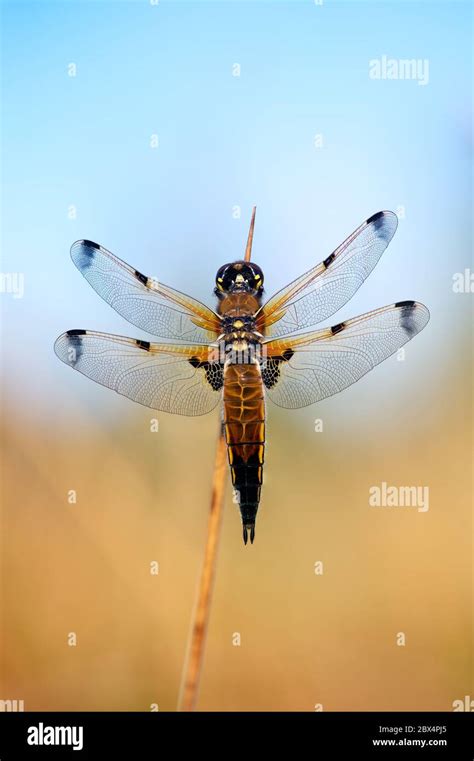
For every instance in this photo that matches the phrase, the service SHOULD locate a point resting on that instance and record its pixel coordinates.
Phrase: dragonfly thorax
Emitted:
(238, 326)
(237, 305)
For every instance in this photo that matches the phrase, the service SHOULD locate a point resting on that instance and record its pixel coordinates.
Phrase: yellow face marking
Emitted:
(238, 324)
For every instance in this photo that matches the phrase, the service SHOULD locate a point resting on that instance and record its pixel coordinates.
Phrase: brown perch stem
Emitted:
(193, 665)
(248, 250)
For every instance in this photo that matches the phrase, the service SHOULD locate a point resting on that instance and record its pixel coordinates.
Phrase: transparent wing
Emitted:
(307, 368)
(144, 301)
(324, 289)
(172, 378)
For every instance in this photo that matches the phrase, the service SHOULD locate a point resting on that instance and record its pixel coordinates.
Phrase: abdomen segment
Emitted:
(244, 425)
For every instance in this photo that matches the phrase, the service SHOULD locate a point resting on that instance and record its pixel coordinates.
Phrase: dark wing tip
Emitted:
(75, 332)
(385, 223)
(375, 216)
(82, 253)
(83, 242)
(407, 303)
(411, 304)
(414, 316)
(380, 215)
(68, 346)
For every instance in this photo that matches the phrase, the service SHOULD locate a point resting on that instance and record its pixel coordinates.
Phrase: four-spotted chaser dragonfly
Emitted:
(245, 351)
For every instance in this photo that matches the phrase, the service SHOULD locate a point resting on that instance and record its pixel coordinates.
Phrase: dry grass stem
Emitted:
(195, 654)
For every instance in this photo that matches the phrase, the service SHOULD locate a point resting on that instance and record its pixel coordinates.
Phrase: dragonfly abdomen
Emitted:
(244, 425)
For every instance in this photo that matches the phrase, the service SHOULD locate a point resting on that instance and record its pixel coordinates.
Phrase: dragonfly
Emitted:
(246, 350)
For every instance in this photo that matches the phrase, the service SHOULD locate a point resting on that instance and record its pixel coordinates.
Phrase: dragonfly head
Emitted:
(239, 277)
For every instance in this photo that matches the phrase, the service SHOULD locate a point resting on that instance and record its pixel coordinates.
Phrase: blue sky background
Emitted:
(166, 69)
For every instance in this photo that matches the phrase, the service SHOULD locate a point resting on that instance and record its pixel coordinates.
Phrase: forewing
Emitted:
(305, 369)
(325, 288)
(172, 378)
(142, 300)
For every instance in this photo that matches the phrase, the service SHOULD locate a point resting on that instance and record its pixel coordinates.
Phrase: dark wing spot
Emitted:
(142, 278)
(213, 370)
(83, 253)
(90, 244)
(405, 304)
(271, 368)
(143, 344)
(271, 372)
(337, 328)
(74, 346)
(214, 375)
(76, 332)
(384, 224)
(330, 259)
(407, 310)
(377, 219)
